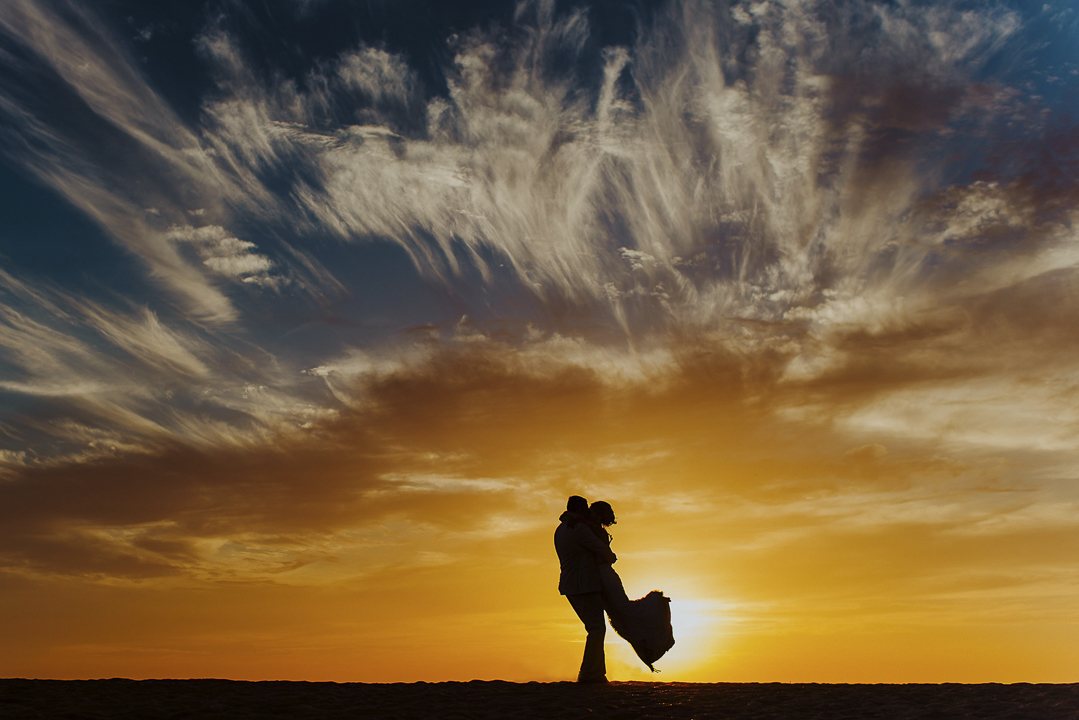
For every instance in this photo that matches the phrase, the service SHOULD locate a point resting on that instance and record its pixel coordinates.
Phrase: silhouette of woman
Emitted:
(645, 623)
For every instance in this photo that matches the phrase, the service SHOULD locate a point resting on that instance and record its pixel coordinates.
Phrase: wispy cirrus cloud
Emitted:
(757, 178)
(668, 190)
(746, 195)
(103, 379)
(83, 119)
(227, 256)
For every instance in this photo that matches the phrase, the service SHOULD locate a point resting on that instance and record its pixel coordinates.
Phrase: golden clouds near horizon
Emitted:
(405, 529)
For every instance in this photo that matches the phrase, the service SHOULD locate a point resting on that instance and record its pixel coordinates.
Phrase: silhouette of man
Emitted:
(578, 549)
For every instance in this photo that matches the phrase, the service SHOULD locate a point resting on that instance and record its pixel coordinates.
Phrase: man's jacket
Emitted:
(578, 550)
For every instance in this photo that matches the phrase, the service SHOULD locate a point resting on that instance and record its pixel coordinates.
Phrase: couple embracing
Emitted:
(591, 585)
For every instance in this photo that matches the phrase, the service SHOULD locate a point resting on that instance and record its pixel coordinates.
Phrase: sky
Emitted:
(314, 312)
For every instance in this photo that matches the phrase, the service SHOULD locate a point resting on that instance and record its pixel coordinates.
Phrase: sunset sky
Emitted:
(314, 312)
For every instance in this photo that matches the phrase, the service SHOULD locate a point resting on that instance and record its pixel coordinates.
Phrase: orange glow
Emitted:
(809, 582)
(816, 556)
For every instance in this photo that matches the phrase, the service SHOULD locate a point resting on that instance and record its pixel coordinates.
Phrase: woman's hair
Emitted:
(604, 512)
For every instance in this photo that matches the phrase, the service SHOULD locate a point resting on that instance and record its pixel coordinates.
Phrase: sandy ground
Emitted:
(496, 699)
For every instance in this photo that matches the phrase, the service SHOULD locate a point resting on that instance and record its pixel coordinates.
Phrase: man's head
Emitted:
(577, 504)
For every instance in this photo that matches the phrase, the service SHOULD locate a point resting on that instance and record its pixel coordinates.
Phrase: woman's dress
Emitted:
(645, 624)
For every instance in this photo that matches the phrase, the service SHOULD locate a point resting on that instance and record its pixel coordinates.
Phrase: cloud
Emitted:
(82, 119)
(116, 377)
(227, 256)
(775, 178)
(440, 441)
(767, 143)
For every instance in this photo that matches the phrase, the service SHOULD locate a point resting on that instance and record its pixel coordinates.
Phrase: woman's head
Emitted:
(603, 512)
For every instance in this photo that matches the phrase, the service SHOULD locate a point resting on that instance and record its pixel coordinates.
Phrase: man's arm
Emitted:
(585, 536)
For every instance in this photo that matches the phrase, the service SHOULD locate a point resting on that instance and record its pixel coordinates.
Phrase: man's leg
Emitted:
(589, 607)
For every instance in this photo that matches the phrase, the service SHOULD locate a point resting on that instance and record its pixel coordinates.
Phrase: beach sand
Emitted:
(117, 699)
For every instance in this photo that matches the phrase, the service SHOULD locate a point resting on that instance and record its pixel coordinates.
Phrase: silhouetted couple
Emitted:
(591, 585)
